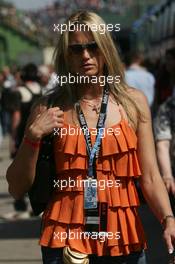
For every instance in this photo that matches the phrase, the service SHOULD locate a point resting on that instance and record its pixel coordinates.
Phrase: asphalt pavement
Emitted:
(18, 238)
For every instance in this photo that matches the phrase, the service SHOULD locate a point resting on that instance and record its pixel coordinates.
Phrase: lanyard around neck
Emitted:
(93, 151)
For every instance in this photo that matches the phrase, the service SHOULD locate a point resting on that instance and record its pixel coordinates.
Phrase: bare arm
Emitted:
(21, 172)
(151, 182)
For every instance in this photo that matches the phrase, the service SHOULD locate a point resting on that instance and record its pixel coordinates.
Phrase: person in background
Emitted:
(164, 128)
(17, 76)
(138, 77)
(9, 80)
(23, 98)
(44, 74)
(170, 66)
(165, 77)
(8, 85)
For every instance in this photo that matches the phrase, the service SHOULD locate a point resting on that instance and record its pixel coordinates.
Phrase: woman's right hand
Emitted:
(170, 184)
(42, 122)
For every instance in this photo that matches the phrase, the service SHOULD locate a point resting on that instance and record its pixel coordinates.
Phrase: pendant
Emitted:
(96, 109)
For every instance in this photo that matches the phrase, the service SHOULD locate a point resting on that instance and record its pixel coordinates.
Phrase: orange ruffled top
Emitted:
(63, 219)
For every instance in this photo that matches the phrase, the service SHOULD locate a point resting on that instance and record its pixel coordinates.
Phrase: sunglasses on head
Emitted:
(79, 48)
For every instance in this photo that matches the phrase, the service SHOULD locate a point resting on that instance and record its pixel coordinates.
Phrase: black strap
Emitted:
(28, 89)
(100, 124)
(92, 152)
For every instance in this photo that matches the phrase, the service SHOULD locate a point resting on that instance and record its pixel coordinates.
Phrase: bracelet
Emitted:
(163, 221)
(33, 144)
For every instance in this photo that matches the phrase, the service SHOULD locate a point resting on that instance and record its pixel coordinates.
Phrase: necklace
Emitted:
(95, 106)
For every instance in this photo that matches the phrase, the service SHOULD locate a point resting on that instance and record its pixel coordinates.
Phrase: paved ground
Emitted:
(19, 239)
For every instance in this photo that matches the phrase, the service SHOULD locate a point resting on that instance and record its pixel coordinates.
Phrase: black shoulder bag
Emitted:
(43, 185)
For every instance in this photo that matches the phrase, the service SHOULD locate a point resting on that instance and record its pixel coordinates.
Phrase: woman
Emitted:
(130, 142)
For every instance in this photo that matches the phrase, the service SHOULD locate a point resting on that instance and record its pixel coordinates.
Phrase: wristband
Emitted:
(163, 221)
(31, 143)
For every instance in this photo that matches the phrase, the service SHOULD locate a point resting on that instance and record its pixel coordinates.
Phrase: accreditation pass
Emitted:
(90, 193)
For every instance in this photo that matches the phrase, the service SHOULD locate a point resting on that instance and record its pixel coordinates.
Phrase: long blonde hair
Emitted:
(112, 62)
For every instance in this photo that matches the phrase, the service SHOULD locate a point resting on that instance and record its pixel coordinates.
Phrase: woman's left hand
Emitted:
(169, 234)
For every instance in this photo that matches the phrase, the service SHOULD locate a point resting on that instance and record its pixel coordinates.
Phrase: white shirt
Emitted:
(138, 77)
(26, 96)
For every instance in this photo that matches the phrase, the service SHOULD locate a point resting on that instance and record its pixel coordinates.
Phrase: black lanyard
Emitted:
(100, 125)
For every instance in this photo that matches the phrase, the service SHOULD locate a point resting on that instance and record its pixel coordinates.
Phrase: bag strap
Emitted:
(30, 91)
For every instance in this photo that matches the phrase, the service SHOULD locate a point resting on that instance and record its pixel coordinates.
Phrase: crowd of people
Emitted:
(11, 80)
(19, 88)
(38, 24)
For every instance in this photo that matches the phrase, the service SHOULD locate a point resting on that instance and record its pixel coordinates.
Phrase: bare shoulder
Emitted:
(137, 95)
(141, 100)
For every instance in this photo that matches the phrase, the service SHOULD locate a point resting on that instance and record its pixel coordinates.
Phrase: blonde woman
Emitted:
(123, 151)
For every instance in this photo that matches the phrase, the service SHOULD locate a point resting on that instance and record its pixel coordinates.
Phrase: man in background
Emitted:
(139, 77)
(164, 126)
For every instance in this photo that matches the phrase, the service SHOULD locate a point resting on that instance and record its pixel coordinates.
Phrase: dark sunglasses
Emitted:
(79, 48)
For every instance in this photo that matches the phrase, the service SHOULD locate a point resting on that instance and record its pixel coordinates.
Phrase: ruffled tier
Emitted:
(117, 153)
(116, 191)
(121, 165)
(117, 163)
(122, 138)
(124, 229)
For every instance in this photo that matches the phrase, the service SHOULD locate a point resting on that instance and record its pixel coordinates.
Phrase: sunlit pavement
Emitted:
(19, 238)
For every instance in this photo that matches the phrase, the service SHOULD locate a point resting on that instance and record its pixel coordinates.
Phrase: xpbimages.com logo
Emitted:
(85, 79)
(72, 131)
(71, 27)
(81, 183)
(102, 236)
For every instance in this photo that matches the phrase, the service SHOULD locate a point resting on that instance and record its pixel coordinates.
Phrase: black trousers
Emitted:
(54, 256)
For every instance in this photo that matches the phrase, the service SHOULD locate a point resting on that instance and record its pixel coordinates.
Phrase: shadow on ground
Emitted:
(18, 229)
